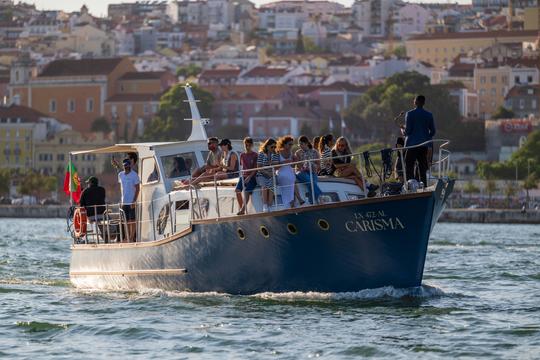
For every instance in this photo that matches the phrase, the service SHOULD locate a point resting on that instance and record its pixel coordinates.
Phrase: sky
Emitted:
(99, 7)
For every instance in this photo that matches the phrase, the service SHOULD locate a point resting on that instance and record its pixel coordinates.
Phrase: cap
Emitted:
(225, 142)
(92, 180)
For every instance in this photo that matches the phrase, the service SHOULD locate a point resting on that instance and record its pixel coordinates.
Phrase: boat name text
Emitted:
(373, 221)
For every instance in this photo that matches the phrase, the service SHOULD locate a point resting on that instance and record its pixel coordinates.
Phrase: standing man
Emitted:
(419, 128)
(130, 187)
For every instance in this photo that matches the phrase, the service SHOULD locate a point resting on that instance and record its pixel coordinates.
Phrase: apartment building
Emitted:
(73, 91)
(440, 49)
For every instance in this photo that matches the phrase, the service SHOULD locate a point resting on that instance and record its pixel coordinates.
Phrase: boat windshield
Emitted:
(179, 165)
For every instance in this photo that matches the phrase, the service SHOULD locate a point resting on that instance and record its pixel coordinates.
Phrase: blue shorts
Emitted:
(250, 185)
(129, 212)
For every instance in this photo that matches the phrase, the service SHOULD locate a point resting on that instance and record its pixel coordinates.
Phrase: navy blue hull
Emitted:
(368, 244)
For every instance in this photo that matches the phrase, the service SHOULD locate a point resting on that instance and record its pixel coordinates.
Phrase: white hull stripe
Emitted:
(130, 272)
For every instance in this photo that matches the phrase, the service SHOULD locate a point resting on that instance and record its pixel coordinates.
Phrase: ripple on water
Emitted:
(38, 326)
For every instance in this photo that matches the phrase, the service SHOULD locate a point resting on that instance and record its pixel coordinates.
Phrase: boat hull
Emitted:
(367, 244)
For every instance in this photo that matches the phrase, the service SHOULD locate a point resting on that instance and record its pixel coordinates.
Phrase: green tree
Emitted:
(509, 191)
(188, 71)
(5, 181)
(372, 114)
(470, 188)
(100, 124)
(299, 42)
(526, 160)
(169, 124)
(491, 188)
(503, 113)
(310, 47)
(35, 184)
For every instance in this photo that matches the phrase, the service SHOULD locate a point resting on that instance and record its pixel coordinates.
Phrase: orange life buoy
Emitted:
(79, 222)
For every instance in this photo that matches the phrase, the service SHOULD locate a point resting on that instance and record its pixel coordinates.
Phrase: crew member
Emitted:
(419, 128)
(130, 187)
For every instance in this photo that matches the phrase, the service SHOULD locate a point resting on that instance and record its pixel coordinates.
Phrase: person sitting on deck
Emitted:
(303, 173)
(207, 171)
(93, 199)
(179, 168)
(247, 180)
(343, 167)
(229, 164)
(325, 149)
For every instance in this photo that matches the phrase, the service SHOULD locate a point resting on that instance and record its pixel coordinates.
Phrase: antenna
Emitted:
(197, 123)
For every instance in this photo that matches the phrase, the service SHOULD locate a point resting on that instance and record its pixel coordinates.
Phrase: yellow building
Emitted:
(440, 49)
(51, 154)
(20, 128)
(531, 18)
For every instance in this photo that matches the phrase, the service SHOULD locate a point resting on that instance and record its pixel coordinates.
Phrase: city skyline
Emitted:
(99, 7)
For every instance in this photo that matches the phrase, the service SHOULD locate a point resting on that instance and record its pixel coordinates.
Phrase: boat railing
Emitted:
(438, 169)
(159, 218)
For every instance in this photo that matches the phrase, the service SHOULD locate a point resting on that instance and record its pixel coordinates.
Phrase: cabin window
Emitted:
(179, 165)
(150, 172)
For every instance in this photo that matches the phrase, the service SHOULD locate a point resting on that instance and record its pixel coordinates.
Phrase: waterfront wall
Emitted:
(494, 216)
(33, 211)
(491, 216)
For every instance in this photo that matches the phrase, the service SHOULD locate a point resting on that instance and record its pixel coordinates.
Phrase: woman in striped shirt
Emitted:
(325, 149)
(265, 177)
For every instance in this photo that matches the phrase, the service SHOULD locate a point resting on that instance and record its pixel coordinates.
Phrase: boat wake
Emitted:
(387, 292)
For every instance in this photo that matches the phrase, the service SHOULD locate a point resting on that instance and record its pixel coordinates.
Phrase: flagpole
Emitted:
(70, 164)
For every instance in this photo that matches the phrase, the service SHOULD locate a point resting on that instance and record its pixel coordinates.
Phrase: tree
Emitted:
(188, 71)
(509, 191)
(503, 113)
(371, 115)
(169, 124)
(100, 124)
(299, 42)
(491, 188)
(526, 160)
(5, 181)
(470, 188)
(35, 184)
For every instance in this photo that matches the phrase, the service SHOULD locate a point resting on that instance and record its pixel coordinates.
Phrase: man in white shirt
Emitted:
(130, 187)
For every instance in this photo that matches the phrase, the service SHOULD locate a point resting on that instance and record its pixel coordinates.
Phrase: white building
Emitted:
(373, 15)
(410, 19)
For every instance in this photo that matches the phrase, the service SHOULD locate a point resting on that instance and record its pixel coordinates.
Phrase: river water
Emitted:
(480, 298)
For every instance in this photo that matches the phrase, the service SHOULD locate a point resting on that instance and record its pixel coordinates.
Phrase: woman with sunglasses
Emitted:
(265, 177)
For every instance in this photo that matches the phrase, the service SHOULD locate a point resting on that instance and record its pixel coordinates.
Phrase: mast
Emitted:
(197, 123)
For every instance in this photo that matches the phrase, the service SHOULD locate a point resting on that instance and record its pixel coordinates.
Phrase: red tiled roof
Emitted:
(219, 73)
(83, 67)
(143, 75)
(475, 35)
(523, 90)
(24, 113)
(344, 86)
(264, 71)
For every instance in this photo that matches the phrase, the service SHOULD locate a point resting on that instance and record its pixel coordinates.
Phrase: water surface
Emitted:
(480, 298)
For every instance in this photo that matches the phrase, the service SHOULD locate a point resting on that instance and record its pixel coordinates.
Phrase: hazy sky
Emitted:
(99, 7)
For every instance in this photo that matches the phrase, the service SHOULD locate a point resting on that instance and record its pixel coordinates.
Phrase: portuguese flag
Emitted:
(72, 183)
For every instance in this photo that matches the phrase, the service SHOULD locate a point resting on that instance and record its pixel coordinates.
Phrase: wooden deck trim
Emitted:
(314, 208)
(132, 245)
(130, 272)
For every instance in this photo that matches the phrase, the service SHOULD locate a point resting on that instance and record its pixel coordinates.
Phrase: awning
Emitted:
(107, 150)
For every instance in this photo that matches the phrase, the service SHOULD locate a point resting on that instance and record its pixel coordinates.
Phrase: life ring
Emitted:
(79, 222)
